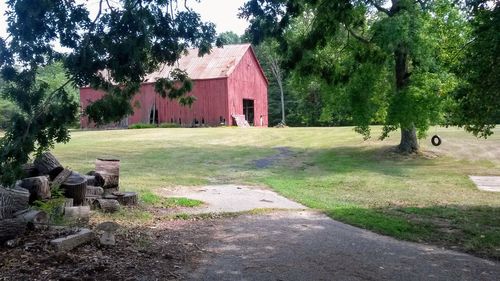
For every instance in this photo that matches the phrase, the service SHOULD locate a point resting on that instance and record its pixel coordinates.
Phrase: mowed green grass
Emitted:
(425, 199)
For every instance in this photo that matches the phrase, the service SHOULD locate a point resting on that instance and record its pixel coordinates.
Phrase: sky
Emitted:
(224, 13)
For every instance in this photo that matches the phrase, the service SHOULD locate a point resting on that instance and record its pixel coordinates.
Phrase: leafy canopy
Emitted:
(112, 51)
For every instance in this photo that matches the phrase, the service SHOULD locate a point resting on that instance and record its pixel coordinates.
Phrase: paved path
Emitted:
(310, 246)
(232, 198)
(299, 244)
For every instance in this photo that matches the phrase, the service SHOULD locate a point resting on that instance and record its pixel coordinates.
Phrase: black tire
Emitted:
(436, 140)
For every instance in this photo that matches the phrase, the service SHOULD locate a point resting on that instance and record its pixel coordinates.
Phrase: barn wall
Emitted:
(87, 95)
(210, 105)
(248, 82)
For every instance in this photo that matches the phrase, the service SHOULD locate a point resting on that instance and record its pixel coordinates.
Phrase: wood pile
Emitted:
(46, 176)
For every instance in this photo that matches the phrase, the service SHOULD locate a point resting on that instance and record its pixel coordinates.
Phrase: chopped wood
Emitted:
(109, 169)
(33, 216)
(5, 206)
(107, 205)
(94, 191)
(38, 187)
(68, 202)
(95, 180)
(79, 214)
(75, 186)
(70, 242)
(30, 170)
(19, 199)
(11, 228)
(62, 177)
(48, 164)
(126, 198)
(90, 200)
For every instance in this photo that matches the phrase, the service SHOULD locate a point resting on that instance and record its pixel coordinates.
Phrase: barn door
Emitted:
(248, 111)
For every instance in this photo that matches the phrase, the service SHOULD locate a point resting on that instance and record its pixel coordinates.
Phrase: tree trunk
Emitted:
(30, 170)
(409, 141)
(94, 191)
(38, 187)
(47, 164)
(11, 228)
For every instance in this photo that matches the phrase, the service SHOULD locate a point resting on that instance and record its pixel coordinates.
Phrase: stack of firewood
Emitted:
(97, 189)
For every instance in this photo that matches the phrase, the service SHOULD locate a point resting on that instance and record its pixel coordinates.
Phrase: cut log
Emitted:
(32, 216)
(94, 191)
(30, 170)
(95, 180)
(38, 187)
(109, 169)
(126, 198)
(80, 212)
(47, 164)
(11, 228)
(62, 177)
(19, 199)
(107, 205)
(5, 206)
(90, 201)
(70, 242)
(75, 186)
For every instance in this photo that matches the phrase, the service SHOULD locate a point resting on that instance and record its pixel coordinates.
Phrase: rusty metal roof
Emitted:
(218, 64)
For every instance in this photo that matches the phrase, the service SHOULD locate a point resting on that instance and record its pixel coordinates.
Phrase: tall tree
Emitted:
(390, 57)
(478, 96)
(112, 51)
(230, 38)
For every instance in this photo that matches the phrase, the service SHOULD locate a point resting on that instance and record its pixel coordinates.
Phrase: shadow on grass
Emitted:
(474, 230)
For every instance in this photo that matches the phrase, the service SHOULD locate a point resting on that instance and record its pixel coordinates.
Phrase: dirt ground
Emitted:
(157, 252)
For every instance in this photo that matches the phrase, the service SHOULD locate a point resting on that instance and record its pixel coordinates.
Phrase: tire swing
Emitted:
(436, 140)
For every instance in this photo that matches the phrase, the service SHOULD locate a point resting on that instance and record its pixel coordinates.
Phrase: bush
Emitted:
(169, 125)
(142, 126)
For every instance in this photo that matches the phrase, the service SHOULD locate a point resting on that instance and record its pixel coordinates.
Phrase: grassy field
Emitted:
(426, 199)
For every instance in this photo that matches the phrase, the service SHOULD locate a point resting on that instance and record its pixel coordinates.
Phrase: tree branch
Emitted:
(380, 8)
(359, 37)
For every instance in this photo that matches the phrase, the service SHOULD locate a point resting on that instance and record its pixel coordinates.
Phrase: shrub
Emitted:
(142, 126)
(169, 125)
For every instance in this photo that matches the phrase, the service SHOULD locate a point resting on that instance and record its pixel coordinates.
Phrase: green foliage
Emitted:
(230, 38)
(478, 96)
(112, 52)
(142, 126)
(169, 125)
(367, 64)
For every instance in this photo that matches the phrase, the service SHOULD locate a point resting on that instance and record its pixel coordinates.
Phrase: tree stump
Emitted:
(126, 198)
(62, 177)
(75, 186)
(109, 169)
(11, 228)
(19, 199)
(38, 187)
(47, 164)
(107, 205)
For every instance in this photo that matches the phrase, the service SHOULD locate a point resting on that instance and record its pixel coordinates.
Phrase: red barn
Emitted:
(227, 82)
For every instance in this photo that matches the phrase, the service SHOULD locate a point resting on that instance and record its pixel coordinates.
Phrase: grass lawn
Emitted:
(426, 199)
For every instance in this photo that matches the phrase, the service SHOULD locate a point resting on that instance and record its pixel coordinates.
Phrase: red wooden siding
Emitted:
(216, 97)
(248, 82)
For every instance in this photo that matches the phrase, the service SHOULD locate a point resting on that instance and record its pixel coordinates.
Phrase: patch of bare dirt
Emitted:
(157, 252)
